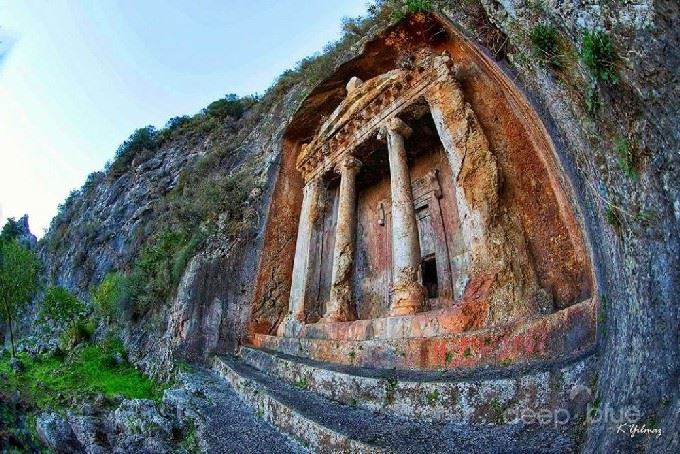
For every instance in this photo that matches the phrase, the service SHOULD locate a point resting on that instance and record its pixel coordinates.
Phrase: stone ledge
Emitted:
(568, 331)
(434, 323)
(437, 399)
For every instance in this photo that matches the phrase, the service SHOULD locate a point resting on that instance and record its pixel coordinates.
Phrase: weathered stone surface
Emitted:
(57, 434)
(552, 336)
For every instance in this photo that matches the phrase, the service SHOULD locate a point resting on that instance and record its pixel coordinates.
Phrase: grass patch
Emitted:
(53, 382)
(597, 53)
(546, 45)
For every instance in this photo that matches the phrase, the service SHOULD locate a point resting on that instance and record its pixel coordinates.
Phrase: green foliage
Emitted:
(433, 397)
(467, 353)
(598, 54)
(60, 307)
(402, 8)
(159, 267)
(76, 333)
(19, 269)
(390, 389)
(189, 441)
(141, 143)
(625, 157)
(10, 231)
(51, 382)
(202, 198)
(301, 383)
(613, 217)
(229, 106)
(109, 296)
(593, 103)
(546, 45)
(177, 122)
(448, 357)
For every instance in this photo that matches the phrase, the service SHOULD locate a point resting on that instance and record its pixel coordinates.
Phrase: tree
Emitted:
(61, 307)
(10, 230)
(18, 281)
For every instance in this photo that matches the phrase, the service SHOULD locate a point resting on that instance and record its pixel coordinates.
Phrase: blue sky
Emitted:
(77, 77)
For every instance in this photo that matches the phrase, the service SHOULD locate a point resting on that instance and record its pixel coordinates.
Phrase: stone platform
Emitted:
(438, 340)
(331, 408)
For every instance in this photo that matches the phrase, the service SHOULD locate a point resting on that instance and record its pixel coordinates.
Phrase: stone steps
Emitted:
(488, 395)
(324, 425)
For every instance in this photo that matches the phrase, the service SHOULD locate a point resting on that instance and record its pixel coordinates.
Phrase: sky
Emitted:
(77, 77)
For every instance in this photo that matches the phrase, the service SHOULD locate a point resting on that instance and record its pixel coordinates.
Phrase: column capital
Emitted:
(395, 125)
(347, 163)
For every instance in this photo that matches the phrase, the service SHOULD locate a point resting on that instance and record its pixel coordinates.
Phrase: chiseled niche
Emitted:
(423, 221)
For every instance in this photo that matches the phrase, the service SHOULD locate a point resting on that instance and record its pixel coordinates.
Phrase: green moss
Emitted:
(448, 357)
(467, 353)
(51, 382)
(599, 56)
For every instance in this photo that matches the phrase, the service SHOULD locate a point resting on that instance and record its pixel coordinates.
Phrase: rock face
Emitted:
(55, 431)
(622, 162)
(25, 236)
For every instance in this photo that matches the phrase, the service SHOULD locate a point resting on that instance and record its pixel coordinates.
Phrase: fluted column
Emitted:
(293, 321)
(407, 292)
(339, 308)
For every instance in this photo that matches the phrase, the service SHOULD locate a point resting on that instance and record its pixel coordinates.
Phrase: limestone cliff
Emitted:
(622, 160)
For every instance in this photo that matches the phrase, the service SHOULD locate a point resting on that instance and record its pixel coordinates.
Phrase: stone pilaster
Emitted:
(339, 308)
(293, 321)
(407, 292)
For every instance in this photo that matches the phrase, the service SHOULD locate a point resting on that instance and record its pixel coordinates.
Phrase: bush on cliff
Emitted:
(140, 145)
(108, 297)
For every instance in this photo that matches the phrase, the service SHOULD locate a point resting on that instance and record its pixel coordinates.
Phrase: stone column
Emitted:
(293, 322)
(407, 292)
(339, 308)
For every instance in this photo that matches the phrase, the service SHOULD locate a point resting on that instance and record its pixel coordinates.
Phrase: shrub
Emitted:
(143, 140)
(110, 294)
(597, 53)
(177, 122)
(61, 307)
(229, 106)
(159, 267)
(77, 333)
(402, 8)
(546, 45)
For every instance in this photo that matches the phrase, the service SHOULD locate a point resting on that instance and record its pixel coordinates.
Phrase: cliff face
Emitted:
(622, 160)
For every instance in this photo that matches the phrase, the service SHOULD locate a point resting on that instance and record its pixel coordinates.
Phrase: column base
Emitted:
(290, 327)
(408, 299)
